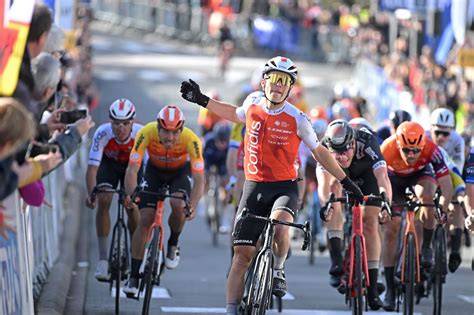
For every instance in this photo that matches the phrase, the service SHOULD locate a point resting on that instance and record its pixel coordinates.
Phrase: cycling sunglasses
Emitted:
(411, 150)
(341, 150)
(279, 77)
(442, 133)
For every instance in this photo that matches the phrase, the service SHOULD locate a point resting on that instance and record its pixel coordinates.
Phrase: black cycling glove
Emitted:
(323, 214)
(191, 92)
(352, 189)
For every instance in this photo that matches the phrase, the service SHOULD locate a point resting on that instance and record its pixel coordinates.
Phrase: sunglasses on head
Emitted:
(442, 133)
(279, 77)
(411, 150)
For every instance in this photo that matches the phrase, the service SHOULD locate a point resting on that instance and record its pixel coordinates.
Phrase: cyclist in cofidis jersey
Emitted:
(442, 132)
(358, 153)
(413, 161)
(469, 221)
(274, 131)
(108, 160)
(174, 156)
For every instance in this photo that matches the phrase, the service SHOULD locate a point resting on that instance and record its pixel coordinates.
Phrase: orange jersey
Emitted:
(272, 139)
(187, 148)
(429, 154)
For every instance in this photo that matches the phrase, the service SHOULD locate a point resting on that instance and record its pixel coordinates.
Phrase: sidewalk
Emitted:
(54, 293)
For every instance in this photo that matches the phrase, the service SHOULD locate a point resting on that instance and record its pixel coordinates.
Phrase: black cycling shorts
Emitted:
(400, 184)
(111, 172)
(262, 198)
(154, 178)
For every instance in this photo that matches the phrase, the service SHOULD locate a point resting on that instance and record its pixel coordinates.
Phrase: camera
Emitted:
(72, 116)
(35, 149)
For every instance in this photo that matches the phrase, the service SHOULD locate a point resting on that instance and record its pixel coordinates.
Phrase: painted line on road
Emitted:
(468, 299)
(157, 293)
(217, 310)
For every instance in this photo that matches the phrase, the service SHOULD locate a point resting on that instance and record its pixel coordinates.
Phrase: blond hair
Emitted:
(16, 123)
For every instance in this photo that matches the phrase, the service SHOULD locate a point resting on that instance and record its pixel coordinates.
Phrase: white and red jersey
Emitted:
(272, 139)
(104, 143)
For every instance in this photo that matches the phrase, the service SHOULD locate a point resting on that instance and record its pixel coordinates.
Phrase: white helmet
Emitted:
(122, 109)
(442, 117)
(360, 122)
(319, 126)
(282, 64)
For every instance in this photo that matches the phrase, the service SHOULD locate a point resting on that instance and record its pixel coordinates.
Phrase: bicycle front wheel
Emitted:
(357, 303)
(261, 286)
(117, 265)
(150, 270)
(439, 269)
(409, 276)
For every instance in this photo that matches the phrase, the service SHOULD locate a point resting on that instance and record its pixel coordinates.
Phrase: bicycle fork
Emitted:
(410, 229)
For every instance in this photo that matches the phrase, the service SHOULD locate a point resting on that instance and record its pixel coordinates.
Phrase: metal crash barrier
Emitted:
(28, 254)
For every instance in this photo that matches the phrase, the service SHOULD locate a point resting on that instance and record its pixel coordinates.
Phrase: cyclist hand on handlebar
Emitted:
(325, 214)
(190, 213)
(130, 204)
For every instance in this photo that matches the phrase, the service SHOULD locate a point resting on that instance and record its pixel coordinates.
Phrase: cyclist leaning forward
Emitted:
(175, 153)
(358, 153)
(274, 130)
(108, 160)
(413, 160)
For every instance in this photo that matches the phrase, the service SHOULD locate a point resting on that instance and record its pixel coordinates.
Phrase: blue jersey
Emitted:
(214, 155)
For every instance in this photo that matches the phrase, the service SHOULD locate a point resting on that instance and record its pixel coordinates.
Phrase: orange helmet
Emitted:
(411, 135)
(170, 118)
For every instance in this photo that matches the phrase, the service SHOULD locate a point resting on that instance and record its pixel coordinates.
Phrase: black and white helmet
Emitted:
(442, 117)
(122, 109)
(281, 64)
(339, 135)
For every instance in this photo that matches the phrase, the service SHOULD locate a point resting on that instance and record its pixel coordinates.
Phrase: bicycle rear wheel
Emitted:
(409, 276)
(261, 286)
(150, 269)
(439, 269)
(357, 301)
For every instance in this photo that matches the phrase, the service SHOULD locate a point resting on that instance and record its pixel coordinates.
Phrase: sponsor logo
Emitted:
(252, 147)
(198, 165)
(277, 123)
(242, 241)
(371, 153)
(135, 157)
(197, 152)
(379, 164)
(279, 130)
(139, 141)
(470, 170)
(279, 137)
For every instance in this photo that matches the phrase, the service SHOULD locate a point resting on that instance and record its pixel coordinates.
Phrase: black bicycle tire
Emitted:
(439, 269)
(265, 289)
(118, 269)
(357, 301)
(409, 277)
(148, 277)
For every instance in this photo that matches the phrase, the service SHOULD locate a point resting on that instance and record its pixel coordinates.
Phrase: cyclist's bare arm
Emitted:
(322, 155)
(197, 190)
(469, 201)
(383, 181)
(446, 191)
(131, 175)
(324, 184)
(231, 162)
(91, 177)
(224, 110)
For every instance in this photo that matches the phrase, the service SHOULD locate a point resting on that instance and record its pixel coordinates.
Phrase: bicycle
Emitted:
(410, 276)
(119, 257)
(212, 211)
(356, 273)
(153, 263)
(260, 280)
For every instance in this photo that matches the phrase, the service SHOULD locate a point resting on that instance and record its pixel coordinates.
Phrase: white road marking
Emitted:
(216, 310)
(110, 75)
(158, 293)
(152, 75)
(468, 299)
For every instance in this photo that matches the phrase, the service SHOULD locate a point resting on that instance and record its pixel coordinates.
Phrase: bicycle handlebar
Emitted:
(105, 188)
(306, 227)
(162, 194)
(353, 202)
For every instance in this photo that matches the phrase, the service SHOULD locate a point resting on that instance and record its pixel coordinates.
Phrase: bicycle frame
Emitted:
(358, 231)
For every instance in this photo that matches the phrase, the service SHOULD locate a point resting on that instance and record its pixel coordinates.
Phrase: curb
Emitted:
(55, 290)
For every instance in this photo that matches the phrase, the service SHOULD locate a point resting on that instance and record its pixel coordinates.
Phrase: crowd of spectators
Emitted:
(52, 81)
